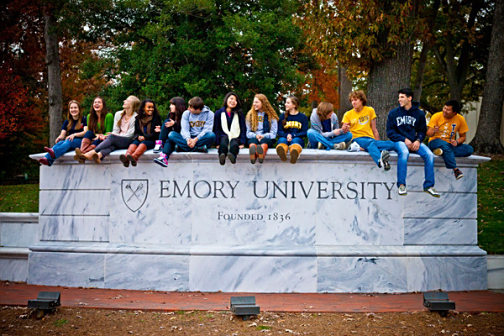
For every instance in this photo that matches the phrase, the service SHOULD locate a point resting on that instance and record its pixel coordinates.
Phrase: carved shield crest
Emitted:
(134, 193)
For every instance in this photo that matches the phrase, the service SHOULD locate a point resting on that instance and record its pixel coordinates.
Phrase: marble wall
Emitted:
(331, 223)
(17, 231)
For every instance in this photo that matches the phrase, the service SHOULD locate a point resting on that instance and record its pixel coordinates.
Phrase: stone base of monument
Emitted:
(17, 232)
(333, 222)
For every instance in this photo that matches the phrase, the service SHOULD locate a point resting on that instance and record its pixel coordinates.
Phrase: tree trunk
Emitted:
(456, 66)
(384, 80)
(427, 46)
(487, 139)
(417, 86)
(345, 87)
(53, 77)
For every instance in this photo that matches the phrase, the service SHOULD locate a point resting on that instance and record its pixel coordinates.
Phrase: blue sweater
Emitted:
(406, 124)
(296, 125)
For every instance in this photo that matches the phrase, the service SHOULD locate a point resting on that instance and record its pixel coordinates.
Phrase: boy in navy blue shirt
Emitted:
(406, 127)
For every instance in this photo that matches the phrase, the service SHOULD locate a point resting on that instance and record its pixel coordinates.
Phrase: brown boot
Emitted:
(138, 152)
(281, 150)
(126, 158)
(79, 156)
(253, 153)
(295, 151)
(261, 152)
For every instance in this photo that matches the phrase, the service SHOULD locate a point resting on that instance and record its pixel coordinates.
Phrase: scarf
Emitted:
(146, 121)
(235, 126)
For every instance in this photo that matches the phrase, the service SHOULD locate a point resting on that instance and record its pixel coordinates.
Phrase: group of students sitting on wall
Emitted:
(138, 127)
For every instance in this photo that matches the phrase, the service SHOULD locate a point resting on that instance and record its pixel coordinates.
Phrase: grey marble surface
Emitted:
(74, 228)
(13, 269)
(18, 234)
(331, 223)
(440, 231)
(147, 272)
(66, 269)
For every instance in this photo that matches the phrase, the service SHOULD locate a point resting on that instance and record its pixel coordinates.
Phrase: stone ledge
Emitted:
(306, 155)
(19, 217)
(296, 251)
(14, 252)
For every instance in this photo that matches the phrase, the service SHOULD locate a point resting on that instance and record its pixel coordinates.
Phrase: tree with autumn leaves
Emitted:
(163, 48)
(379, 41)
(23, 90)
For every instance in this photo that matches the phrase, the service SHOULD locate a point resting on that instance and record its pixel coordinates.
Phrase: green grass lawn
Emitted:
(19, 198)
(491, 205)
(24, 198)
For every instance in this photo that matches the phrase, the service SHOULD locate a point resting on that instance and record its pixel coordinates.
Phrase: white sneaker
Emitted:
(320, 145)
(354, 147)
(402, 190)
(157, 146)
(431, 191)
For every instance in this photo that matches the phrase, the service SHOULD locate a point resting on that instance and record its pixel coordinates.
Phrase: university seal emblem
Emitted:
(134, 193)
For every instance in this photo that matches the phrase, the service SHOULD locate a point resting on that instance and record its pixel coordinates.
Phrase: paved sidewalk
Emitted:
(18, 294)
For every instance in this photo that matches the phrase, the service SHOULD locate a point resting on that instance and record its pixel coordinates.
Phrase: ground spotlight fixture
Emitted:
(244, 306)
(439, 302)
(46, 302)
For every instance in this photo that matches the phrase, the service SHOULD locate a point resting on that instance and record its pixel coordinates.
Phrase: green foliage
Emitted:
(490, 201)
(206, 48)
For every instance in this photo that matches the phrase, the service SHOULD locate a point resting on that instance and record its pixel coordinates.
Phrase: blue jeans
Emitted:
(295, 140)
(175, 138)
(402, 163)
(269, 142)
(163, 135)
(450, 152)
(148, 143)
(374, 147)
(63, 146)
(315, 137)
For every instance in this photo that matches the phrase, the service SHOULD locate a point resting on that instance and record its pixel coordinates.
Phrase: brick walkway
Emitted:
(19, 293)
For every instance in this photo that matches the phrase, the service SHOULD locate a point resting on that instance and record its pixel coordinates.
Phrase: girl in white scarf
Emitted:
(229, 128)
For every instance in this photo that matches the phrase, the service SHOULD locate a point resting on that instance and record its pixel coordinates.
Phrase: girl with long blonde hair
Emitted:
(262, 126)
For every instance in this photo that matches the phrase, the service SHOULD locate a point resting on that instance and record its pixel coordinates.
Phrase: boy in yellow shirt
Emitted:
(442, 130)
(361, 122)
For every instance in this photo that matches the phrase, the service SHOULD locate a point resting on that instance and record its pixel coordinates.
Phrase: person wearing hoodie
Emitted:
(195, 131)
(406, 127)
(325, 131)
